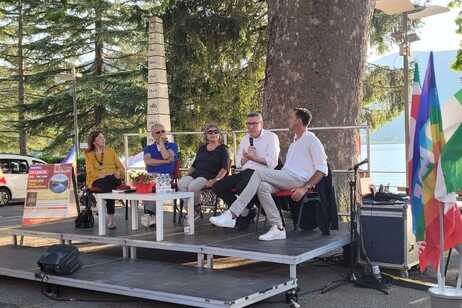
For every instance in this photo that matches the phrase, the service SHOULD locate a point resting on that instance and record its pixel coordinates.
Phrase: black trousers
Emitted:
(107, 184)
(222, 188)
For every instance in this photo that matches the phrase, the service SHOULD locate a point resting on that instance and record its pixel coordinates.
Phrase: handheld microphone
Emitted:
(365, 161)
(251, 141)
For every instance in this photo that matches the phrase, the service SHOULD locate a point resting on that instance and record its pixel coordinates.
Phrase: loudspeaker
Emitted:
(60, 259)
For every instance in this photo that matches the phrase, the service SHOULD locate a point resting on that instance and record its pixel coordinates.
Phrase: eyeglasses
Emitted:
(252, 123)
(161, 131)
(213, 132)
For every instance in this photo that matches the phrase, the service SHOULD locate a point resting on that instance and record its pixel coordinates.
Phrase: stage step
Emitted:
(166, 282)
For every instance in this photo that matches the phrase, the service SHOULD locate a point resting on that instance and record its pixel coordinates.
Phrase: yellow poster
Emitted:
(50, 194)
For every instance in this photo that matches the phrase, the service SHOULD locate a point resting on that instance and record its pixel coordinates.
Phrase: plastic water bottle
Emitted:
(158, 185)
(187, 227)
(168, 183)
(162, 183)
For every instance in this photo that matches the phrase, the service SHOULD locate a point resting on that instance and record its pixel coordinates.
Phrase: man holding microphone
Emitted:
(259, 148)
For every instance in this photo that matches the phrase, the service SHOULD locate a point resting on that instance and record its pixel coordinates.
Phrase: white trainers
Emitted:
(148, 220)
(273, 234)
(224, 220)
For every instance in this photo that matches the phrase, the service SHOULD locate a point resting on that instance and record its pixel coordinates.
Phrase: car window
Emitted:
(5, 163)
(36, 162)
(19, 166)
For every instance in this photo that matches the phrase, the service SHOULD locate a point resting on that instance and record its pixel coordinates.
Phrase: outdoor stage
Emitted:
(180, 283)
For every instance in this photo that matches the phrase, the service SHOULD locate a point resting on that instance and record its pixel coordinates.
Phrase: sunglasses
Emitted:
(252, 123)
(212, 132)
(161, 131)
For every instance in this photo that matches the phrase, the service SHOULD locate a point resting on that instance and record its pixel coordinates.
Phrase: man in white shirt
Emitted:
(259, 149)
(305, 166)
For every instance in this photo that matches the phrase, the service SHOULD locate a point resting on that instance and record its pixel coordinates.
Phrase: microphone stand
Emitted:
(351, 278)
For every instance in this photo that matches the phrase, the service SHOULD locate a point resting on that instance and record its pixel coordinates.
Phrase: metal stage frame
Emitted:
(207, 242)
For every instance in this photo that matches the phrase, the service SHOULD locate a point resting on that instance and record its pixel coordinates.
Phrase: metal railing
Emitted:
(235, 146)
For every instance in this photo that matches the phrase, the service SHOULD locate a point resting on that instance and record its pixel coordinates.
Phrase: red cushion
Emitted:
(95, 189)
(283, 193)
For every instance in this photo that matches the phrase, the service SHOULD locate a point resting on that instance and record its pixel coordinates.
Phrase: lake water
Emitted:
(387, 162)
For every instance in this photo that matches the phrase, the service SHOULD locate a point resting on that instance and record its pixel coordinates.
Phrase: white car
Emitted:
(15, 169)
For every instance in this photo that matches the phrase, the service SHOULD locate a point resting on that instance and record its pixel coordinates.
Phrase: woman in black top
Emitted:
(210, 165)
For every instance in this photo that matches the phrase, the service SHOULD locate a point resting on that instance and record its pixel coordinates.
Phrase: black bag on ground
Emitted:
(60, 259)
(85, 219)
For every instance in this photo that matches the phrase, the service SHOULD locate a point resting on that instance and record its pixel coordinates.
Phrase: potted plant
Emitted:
(142, 181)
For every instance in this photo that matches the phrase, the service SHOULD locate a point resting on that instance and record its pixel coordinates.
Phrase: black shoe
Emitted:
(243, 223)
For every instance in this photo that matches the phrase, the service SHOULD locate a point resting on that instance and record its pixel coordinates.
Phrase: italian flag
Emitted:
(449, 172)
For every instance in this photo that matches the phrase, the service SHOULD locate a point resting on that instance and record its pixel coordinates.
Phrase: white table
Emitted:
(134, 198)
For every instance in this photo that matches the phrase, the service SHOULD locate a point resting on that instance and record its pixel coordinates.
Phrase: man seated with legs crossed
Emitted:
(259, 149)
(305, 166)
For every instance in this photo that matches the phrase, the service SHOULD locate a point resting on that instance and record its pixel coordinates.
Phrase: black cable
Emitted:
(336, 259)
(49, 295)
(381, 283)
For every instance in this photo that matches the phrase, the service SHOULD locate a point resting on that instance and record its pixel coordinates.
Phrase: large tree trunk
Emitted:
(316, 57)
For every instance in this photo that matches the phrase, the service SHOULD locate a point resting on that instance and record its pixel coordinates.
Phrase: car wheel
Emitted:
(5, 197)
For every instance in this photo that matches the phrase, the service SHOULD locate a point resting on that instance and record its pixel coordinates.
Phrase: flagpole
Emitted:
(459, 280)
(441, 276)
(406, 49)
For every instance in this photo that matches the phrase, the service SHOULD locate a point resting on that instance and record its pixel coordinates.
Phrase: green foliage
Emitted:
(382, 95)
(215, 61)
(107, 41)
(383, 25)
(215, 53)
(457, 64)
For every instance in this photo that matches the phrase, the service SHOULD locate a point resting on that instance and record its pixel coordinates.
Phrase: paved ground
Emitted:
(313, 276)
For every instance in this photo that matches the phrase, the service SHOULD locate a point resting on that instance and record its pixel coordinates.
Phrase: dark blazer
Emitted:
(324, 214)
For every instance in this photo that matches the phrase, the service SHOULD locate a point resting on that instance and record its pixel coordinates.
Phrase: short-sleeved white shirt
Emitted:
(266, 146)
(305, 156)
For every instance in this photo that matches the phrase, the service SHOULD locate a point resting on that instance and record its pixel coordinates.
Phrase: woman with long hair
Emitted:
(104, 169)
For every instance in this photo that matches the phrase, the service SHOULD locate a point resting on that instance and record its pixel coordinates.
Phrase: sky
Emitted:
(437, 34)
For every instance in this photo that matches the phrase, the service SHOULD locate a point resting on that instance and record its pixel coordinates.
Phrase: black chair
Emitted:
(320, 202)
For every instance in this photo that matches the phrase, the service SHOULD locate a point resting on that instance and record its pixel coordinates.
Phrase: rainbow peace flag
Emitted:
(428, 143)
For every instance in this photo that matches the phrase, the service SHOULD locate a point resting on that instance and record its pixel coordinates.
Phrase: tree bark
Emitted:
(316, 59)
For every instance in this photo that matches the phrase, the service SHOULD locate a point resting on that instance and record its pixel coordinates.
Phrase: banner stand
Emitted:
(51, 194)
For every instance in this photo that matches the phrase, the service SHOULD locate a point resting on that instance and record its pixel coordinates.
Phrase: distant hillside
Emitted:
(448, 83)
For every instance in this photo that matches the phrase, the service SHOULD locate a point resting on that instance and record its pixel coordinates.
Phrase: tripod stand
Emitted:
(351, 278)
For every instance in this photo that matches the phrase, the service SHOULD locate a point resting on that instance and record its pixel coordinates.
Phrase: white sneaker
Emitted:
(152, 220)
(224, 220)
(273, 234)
(148, 220)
